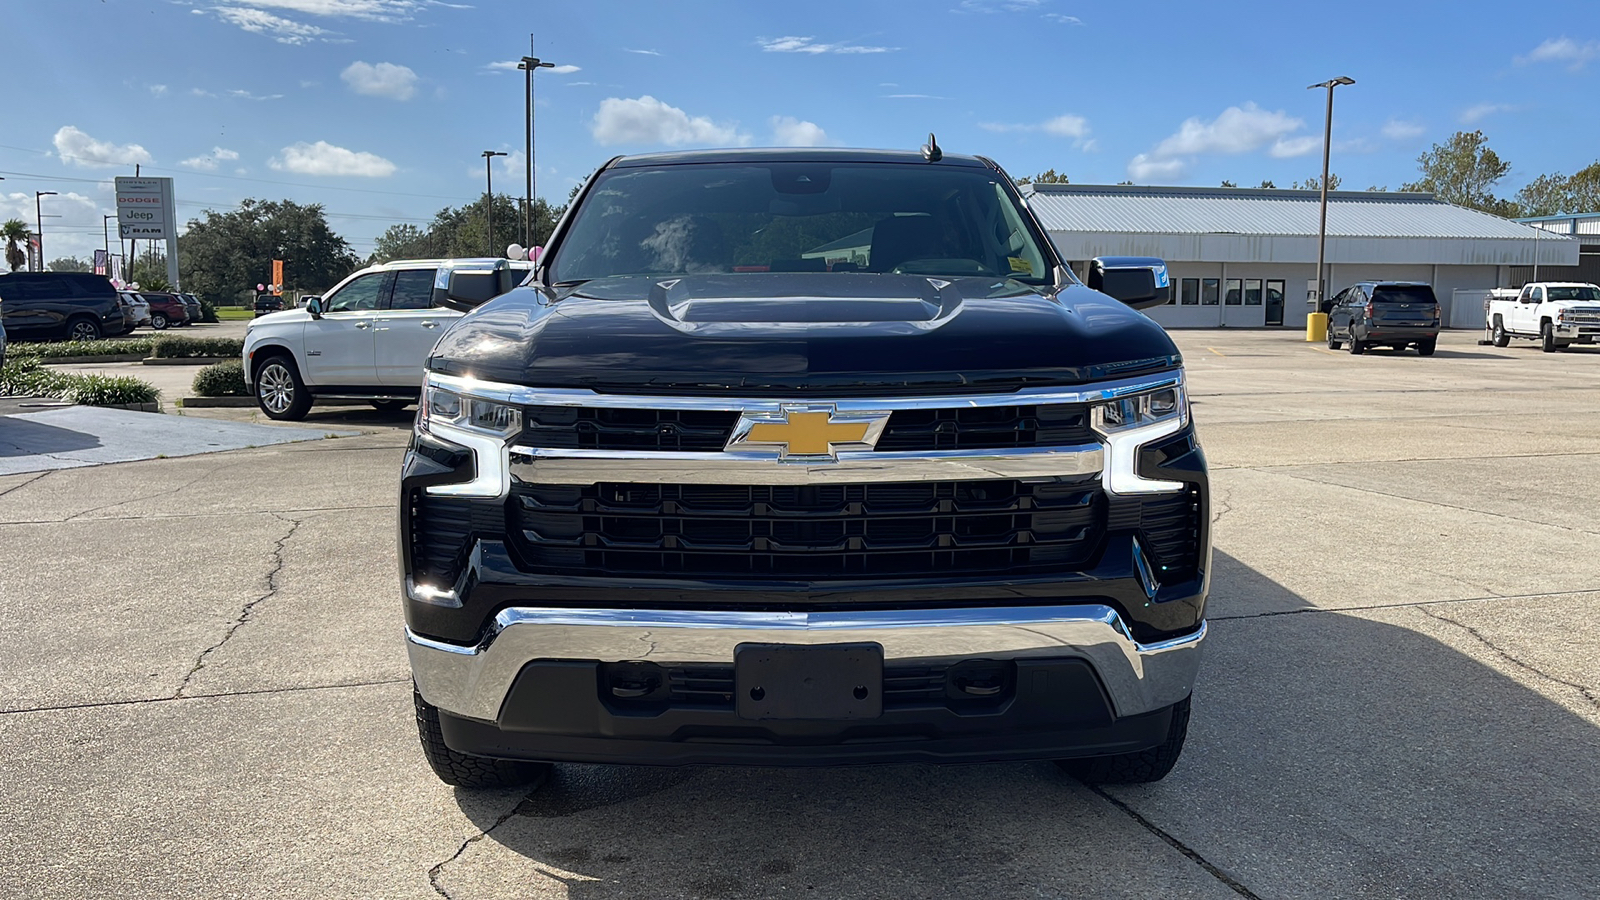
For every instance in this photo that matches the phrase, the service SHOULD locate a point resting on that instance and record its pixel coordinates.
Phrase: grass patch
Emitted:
(235, 314)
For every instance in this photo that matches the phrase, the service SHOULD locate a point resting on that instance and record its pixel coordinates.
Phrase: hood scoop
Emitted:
(757, 305)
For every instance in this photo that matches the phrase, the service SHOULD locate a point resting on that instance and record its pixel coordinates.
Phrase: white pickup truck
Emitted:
(1556, 314)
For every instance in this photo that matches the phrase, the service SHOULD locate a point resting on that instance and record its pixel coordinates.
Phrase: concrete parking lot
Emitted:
(203, 691)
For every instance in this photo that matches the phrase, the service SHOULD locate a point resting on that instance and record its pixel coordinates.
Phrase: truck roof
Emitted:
(791, 154)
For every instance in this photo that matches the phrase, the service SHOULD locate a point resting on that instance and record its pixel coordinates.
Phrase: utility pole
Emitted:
(488, 193)
(1327, 138)
(38, 215)
(527, 65)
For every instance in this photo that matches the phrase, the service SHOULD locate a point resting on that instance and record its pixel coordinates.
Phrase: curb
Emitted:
(89, 360)
(184, 360)
(217, 402)
(135, 407)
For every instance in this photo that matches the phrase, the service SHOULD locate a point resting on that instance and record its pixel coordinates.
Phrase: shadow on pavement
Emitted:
(1331, 755)
(23, 437)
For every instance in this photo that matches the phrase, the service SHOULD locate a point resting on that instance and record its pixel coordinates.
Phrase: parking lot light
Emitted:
(1327, 139)
(488, 192)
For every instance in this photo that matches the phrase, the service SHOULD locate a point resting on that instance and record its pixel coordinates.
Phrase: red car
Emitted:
(165, 309)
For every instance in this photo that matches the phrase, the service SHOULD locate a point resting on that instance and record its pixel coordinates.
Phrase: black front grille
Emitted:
(1170, 524)
(986, 428)
(586, 428)
(441, 533)
(815, 531)
(966, 428)
(646, 686)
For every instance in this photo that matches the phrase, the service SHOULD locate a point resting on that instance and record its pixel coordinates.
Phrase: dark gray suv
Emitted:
(41, 306)
(1396, 314)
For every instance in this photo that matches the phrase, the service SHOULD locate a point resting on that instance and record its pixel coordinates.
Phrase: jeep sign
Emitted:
(145, 208)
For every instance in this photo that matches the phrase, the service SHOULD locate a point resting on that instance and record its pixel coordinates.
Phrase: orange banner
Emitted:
(277, 277)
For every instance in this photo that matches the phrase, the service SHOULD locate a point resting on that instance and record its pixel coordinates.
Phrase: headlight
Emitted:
(480, 425)
(1128, 423)
(452, 410)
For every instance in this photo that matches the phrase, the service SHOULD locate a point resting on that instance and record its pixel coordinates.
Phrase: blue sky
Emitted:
(378, 109)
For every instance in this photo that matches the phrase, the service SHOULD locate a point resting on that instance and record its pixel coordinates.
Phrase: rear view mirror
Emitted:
(466, 289)
(314, 307)
(1139, 281)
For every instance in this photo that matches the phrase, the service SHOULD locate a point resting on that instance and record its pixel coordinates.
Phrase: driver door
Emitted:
(339, 346)
(1525, 317)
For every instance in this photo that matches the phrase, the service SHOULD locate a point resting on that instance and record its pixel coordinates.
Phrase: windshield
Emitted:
(1587, 292)
(799, 217)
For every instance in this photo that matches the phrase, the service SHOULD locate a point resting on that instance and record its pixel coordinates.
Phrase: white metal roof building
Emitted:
(1247, 257)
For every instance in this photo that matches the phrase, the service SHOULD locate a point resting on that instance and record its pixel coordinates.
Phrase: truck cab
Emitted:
(1557, 314)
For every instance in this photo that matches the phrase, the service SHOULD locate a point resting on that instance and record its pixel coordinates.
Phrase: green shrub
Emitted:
(184, 347)
(224, 379)
(64, 349)
(208, 310)
(26, 376)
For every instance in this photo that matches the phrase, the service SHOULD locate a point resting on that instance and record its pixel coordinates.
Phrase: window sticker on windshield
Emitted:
(1020, 265)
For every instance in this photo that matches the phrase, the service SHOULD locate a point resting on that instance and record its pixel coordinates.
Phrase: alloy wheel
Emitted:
(275, 386)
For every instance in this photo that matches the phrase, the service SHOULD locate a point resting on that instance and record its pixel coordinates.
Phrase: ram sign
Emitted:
(145, 209)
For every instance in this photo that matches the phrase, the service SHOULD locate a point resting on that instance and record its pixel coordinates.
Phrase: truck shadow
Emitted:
(1331, 754)
(25, 437)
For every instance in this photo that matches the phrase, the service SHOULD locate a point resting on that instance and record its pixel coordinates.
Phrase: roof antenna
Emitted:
(931, 151)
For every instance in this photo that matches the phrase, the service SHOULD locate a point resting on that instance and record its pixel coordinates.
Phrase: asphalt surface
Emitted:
(203, 691)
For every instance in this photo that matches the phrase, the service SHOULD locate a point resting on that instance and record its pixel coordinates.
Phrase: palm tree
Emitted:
(14, 230)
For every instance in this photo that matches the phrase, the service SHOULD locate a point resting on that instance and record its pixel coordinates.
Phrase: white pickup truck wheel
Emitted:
(1500, 338)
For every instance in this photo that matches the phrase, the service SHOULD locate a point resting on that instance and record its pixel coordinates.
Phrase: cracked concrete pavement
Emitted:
(203, 692)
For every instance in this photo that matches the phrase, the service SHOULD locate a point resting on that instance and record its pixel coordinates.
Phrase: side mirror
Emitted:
(314, 307)
(1139, 281)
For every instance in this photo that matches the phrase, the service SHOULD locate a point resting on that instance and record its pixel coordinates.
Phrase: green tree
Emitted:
(463, 231)
(1552, 194)
(1266, 185)
(225, 255)
(1463, 170)
(1228, 184)
(1048, 176)
(1314, 183)
(70, 264)
(149, 272)
(14, 230)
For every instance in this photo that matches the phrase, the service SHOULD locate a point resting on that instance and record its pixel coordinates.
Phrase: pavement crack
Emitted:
(1374, 607)
(249, 608)
(438, 868)
(1469, 509)
(24, 484)
(207, 475)
(1193, 855)
(1221, 504)
(1586, 692)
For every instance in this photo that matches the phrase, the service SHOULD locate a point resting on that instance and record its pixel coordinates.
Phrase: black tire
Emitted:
(279, 391)
(1547, 337)
(1135, 768)
(1333, 342)
(83, 328)
(158, 321)
(1499, 338)
(389, 405)
(1356, 347)
(1426, 348)
(461, 770)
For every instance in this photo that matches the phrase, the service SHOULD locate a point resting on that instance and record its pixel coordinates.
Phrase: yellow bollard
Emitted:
(1317, 327)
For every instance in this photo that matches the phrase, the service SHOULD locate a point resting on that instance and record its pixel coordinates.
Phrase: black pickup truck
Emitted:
(805, 457)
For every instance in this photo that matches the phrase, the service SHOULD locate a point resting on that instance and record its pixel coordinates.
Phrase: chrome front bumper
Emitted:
(473, 681)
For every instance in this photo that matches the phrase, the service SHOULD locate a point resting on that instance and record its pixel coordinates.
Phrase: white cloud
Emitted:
(208, 162)
(1143, 168)
(1239, 129)
(1067, 126)
(643, 52)
(323, 158)
(510, 65)
(566, 70)
(201, 92)
(79, 149)
(1563, 50)
(994, 6)
(1482, 111)
(380, 80)
(246, 95)
(1064, 20)
(369, 10)
(914, 97)
(1399, 130)
(158, 90)
(787, 131)
(259, 21)
(793, 44)
(1288, 148)
(647, 120)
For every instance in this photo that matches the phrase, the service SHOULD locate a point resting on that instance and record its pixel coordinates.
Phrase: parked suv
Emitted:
(191, 308)
(40, 306)
(166, 309)
(1396, 314)
(367, 338)
(707, 490)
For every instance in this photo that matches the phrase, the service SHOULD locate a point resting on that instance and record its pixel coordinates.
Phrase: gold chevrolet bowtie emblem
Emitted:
(816, 434)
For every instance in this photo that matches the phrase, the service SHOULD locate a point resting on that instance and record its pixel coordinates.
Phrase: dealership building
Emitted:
(1247, 258)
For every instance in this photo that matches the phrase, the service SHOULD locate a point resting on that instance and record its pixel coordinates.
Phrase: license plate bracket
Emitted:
(808, 681)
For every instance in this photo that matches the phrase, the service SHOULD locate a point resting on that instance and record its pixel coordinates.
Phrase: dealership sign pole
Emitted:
(145, 209)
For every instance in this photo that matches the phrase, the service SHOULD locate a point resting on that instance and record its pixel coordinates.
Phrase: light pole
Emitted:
(38, 215)
(527, 65)
(488, 194)
(105, 232)
(1327, 139)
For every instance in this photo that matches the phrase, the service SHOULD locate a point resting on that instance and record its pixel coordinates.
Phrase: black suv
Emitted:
(1396, 314)
(60, 305)
(268, 303)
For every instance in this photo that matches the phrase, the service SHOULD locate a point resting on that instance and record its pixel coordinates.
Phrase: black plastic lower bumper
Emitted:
(1055, 709)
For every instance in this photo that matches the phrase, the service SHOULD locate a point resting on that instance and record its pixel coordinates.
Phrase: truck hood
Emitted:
(803, 332)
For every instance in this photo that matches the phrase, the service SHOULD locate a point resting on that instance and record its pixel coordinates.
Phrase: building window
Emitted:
(1252, 292)
(1208, 291)
(1191, 292)
(1233, 296)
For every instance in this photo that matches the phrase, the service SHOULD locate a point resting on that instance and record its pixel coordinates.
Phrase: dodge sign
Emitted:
(145, 208)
